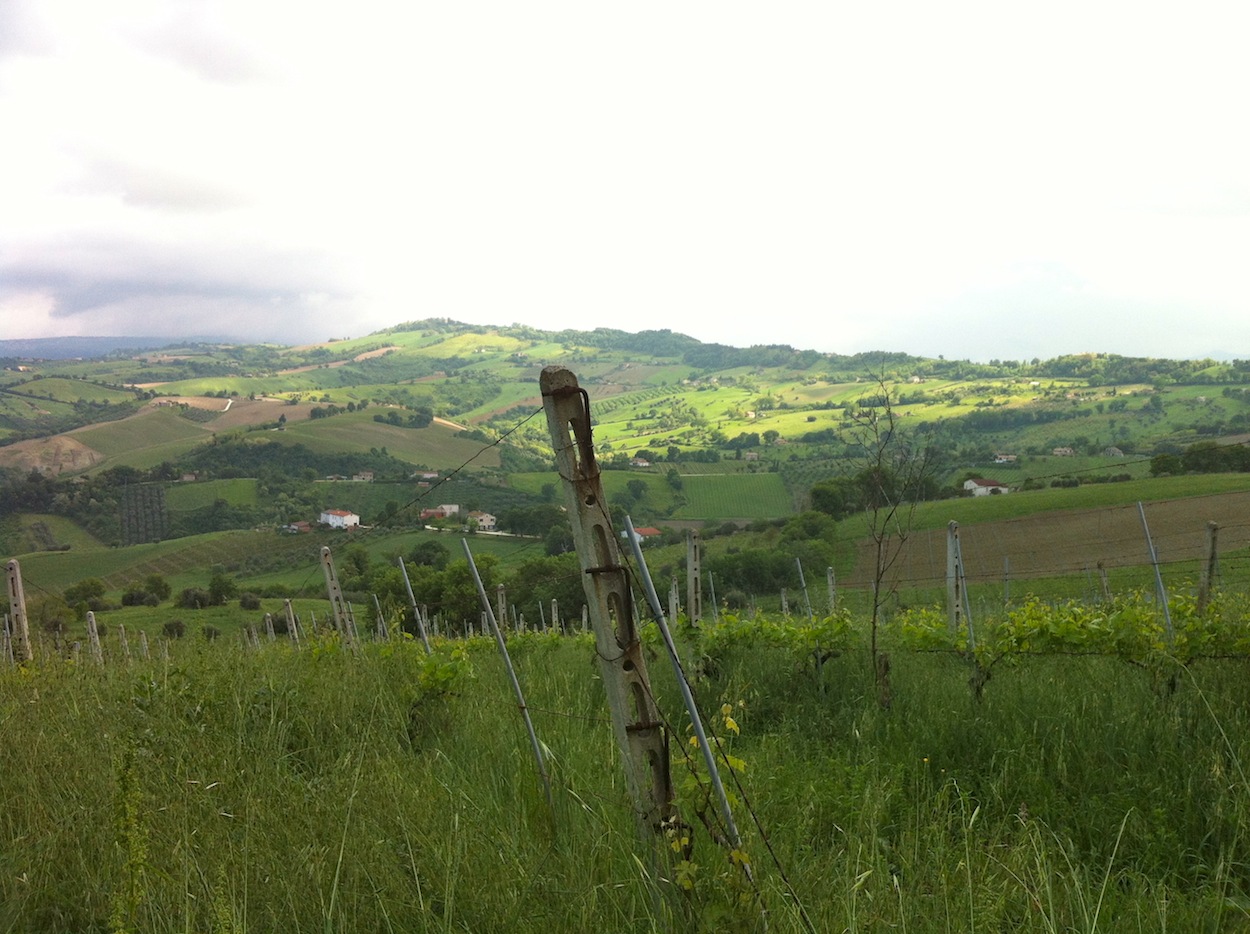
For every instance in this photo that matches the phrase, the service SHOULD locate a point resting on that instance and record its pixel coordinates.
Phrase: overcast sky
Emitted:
(994, 180)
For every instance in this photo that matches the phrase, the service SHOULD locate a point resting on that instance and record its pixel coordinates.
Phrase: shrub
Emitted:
(174, 629)
(249, 601)
(193, 598)
(211, 632)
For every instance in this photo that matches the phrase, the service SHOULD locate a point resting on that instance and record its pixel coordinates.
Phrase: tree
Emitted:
(1162, 465)
(221, 588)
(86, 595)
(430, 554)
(894, 472)
(156, 585)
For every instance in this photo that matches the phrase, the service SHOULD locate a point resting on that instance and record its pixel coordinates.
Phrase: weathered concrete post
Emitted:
(954, 599)
(292, 625)
(1210, 568)
(342, 615)
(694, 576)
(635, 717)
(19, 624)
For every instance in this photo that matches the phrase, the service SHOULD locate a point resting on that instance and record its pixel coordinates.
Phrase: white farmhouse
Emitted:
(485, 522)
(339, 519)
(979, 486)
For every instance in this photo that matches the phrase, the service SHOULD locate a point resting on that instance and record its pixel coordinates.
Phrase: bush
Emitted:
(174, 629)
(193, 598)
(136, 597)
(211, 633)
(249, 601)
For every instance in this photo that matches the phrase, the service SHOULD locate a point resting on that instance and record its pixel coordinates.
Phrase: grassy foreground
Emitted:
(215, 787)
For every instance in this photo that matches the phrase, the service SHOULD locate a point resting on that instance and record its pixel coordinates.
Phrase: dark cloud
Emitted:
(134, 287)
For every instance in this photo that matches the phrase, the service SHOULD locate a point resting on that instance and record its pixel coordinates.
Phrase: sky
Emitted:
(970, 180)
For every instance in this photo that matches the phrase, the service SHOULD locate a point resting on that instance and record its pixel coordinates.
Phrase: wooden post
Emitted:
(1106, 584)
(19, 625)
(694, 576)
(1210, 568)
(635, 718)
(342, 616)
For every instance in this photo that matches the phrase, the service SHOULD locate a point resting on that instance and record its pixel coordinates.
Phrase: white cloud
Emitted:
(843, 177)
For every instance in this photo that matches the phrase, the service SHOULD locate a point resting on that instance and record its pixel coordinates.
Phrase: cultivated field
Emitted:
(1070, 543)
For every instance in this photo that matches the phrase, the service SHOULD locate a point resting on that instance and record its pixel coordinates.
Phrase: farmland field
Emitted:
(143, 440)
(735, 496)
(197, 495)
(31, 532)
(434, 447)
(1073, 544)
(71, 390)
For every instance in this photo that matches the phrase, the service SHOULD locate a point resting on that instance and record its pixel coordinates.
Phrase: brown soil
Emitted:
(51, 456)
(243, 412)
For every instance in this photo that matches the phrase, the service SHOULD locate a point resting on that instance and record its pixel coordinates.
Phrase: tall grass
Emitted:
(225, 788)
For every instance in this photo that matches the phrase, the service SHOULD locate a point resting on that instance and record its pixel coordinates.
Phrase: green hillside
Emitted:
(729, 434)
(144, 439)
(434, 447)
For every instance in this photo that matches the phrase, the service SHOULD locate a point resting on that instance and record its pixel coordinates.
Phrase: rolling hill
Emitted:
(726, 433)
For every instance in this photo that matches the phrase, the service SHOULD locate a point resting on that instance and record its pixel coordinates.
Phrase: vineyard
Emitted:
(1095, 783)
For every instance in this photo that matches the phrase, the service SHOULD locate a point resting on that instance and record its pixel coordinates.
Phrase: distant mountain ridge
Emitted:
(67, 348)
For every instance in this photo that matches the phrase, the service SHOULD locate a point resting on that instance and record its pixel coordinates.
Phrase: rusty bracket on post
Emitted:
(636, 720)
